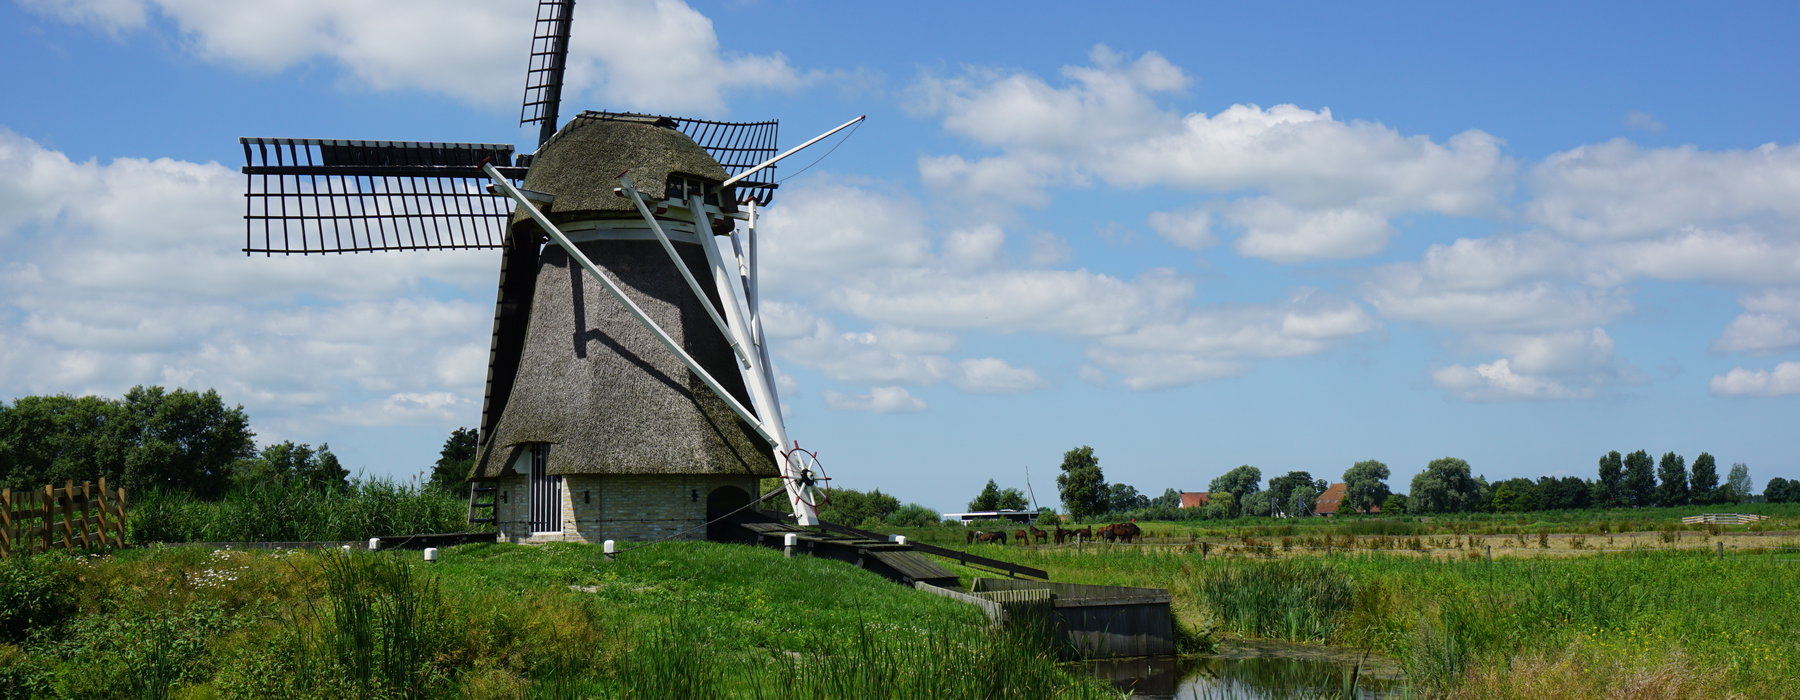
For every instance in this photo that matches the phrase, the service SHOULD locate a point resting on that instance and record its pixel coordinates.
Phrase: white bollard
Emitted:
(346, 549)
(374, 543)
(609, 549)
(431, 555)
(899, 539)
(787, 543)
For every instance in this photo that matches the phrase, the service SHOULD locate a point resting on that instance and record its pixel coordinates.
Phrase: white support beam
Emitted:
(581, 259)
(705, 234)
(757, 378)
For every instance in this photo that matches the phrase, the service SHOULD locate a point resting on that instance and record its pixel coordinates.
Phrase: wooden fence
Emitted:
(1723, 519)
(69, 517)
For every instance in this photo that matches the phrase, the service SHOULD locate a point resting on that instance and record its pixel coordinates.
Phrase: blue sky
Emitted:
(1295, 236)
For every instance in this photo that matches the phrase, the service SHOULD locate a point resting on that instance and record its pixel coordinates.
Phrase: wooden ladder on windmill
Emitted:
(483, 502)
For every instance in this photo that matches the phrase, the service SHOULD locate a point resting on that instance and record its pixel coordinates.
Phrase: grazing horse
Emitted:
(1022, 538)
(1127, 531)
(1040, 535)
(1086, 534)
(987, 537)
(1064, 535)
(971, 537)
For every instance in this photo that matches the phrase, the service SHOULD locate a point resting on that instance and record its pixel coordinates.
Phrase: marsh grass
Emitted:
(292, 512)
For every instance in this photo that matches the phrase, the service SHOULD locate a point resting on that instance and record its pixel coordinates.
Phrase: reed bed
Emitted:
(293, 512)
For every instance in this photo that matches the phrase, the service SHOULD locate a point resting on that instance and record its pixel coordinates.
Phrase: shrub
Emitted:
(36, 592)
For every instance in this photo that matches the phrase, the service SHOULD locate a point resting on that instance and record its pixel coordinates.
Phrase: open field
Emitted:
(677, 620)
(1647, 623)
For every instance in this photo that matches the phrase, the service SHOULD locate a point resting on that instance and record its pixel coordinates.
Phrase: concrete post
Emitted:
(374, 543)
(787, 544)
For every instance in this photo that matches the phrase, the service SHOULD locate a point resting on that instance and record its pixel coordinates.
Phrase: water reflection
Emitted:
(1251, 673)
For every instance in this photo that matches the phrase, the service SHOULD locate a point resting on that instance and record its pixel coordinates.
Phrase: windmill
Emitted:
(629, 393)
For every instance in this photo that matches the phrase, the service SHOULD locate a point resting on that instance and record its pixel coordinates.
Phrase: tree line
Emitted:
(1446, 485)
(151, 439)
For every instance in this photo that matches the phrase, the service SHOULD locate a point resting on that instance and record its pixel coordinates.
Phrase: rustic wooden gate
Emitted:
(70, 517)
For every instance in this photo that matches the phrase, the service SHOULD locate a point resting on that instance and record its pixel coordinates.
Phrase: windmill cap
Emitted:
(582, 163)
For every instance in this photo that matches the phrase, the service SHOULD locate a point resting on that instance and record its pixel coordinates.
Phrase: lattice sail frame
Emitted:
(316, 196)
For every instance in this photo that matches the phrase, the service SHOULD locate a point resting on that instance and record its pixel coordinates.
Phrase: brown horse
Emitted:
(1064, 535)
(1039, 535)
(1020, 537)
(988, 537)
(1086, 534)
(1120, 531)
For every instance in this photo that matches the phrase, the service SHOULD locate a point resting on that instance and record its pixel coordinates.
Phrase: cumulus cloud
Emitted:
(1310, 186)
(1215, 342)
(1497, 381)
(1571, 364)
(128, 272)
(1784, 380)
(881, 399)
(1189, 229)
(1770, 323)
(402, 45)
(991, 375)
(1617, 190)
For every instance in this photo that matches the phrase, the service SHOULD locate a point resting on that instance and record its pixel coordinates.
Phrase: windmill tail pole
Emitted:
(747, 173)
(580, 258)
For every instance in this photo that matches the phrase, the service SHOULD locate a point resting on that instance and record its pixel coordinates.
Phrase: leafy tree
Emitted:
(1564, 493)
(1302, 500)
(1258, 503)
(454, 460)
(1738, 484)
(1703, 480)
(1125, 497)
(1221, 505)
(1365, 485)
(1239, 482)
(1673, 491)
(1444, 487)
(1282, 487)
(988, 499)
(1170, 498)
(1515, 496)
(1640, 482)
(1781, 490)
(150, 438)
(1609, 491)
(291, 463)
(1082, 485)
(1012, 499)
(853, 506)
(913, 515)
(1395, 504)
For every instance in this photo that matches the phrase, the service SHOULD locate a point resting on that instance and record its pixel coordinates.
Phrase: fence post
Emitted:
(87, 500)
(119, 514)
(46, 505)
(5, 523)
(99, 503)
(1721, 550)
(1490, 553)
(68, 511)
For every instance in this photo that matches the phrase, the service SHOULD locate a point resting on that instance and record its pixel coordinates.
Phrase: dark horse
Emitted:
(1039, 535)
(1064, 535)
(1020, 537)
(986, 537)
(1121, 531)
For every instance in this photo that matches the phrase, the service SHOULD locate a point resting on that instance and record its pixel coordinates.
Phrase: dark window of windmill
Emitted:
(680, 187)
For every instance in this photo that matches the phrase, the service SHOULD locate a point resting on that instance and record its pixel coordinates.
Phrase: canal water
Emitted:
(1253, 671)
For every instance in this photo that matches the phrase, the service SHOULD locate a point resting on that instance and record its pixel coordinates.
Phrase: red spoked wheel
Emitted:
(804, 469)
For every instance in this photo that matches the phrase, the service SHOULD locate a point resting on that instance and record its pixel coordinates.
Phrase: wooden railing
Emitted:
(70, 517)
(1723, 519)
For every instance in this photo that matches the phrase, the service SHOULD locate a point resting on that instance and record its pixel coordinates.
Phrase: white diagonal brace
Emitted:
(693, 284)
(756, 376)
(581, 259)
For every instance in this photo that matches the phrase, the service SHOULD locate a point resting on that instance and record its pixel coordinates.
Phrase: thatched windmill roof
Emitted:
(590, 379)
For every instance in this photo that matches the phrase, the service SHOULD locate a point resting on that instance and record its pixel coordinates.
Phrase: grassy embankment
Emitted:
(1674, 621)
(678, 620)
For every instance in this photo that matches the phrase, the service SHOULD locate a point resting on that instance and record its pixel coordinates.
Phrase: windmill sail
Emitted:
(307, 196)
(737, 146)
(544, 74)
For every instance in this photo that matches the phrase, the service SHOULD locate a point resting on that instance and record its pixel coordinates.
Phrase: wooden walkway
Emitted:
(897, 562)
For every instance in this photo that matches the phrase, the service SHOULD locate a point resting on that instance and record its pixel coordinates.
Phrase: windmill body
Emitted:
(628, 394)
(590, 429)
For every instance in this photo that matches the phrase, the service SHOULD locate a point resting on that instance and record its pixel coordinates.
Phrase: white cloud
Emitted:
(1784, 380)
(1320, 187)
(1496, 381)
(881, 399)
(1534, 306)
(1616, 190)
(989, 375)
(1572, 364)
(1187, 229)
(1216, 342)
(1771, 323)
(669, 60)
(1643, 121)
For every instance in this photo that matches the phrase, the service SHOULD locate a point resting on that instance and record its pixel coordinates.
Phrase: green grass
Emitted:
(680, 619)
(290, 512)
(1689, 621)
